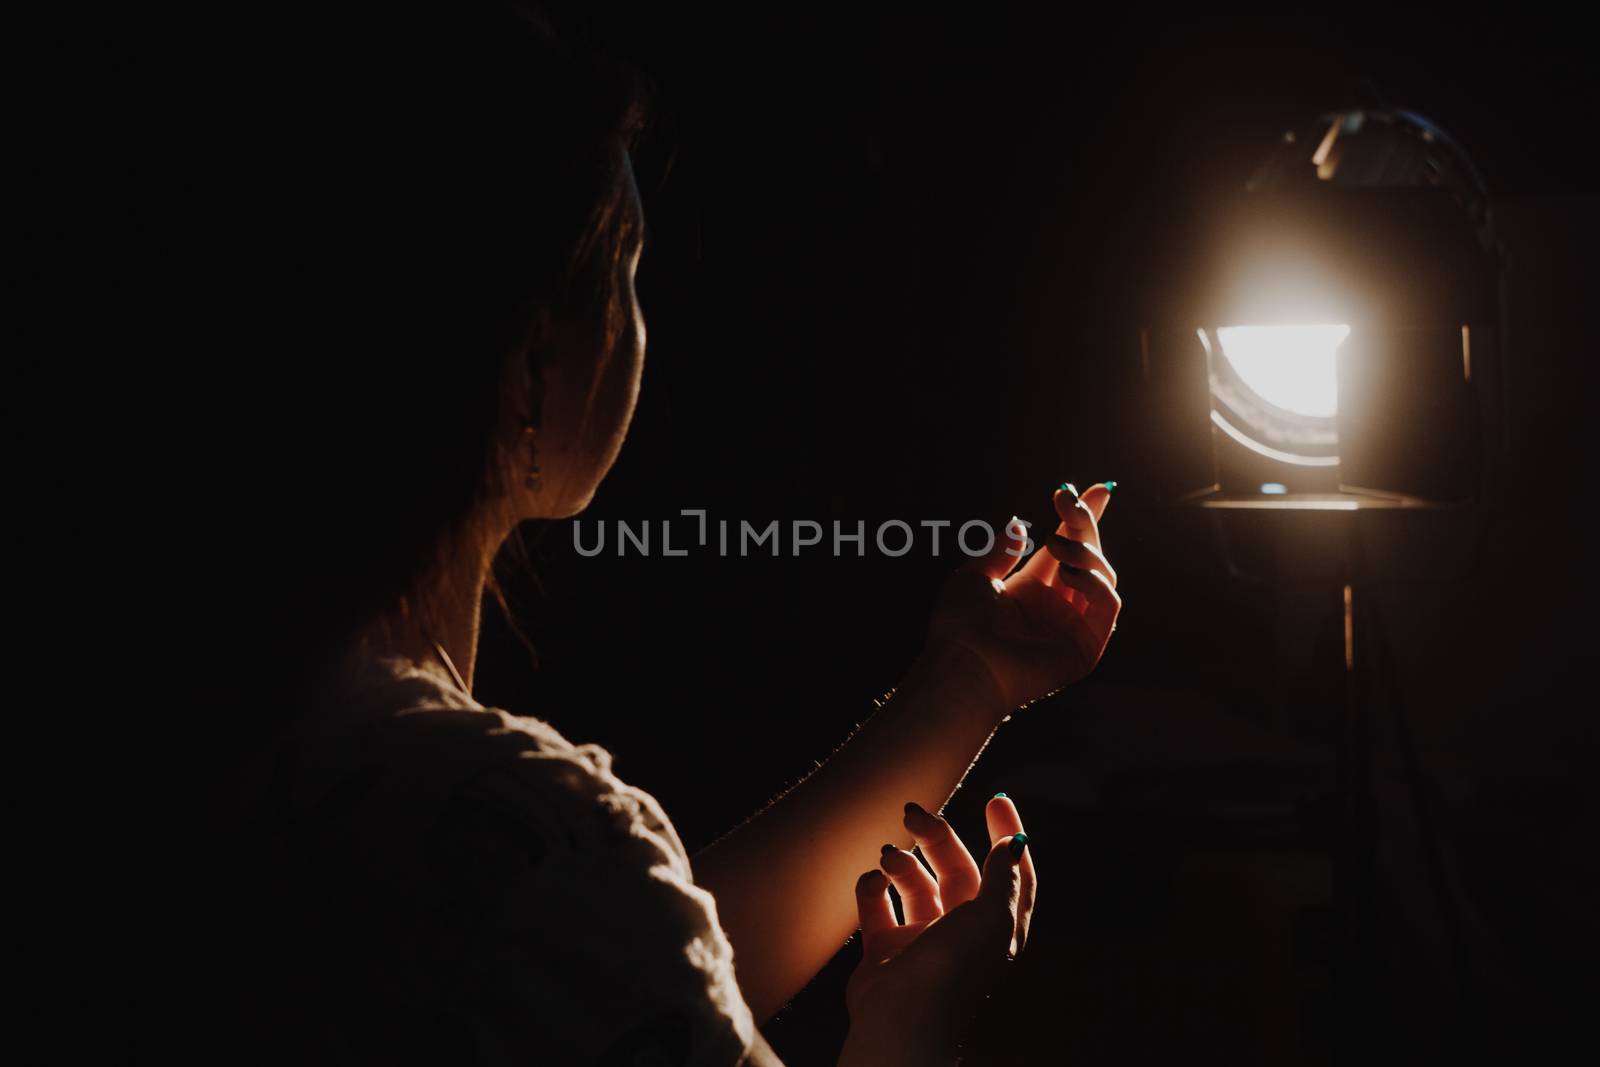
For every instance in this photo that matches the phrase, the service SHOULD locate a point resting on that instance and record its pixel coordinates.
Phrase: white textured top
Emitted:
(416, 878)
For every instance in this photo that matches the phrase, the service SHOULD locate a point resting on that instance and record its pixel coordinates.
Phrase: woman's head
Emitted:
(572, 389)
(446, 340)
(546, 228)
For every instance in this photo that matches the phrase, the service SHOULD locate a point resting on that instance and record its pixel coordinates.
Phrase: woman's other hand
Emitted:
(921, 980)
(1044, 626)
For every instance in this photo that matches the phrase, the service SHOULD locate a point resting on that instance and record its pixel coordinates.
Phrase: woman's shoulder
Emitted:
(486, 873)
(410, 749)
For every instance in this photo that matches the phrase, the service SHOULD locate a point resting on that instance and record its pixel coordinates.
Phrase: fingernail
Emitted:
(1068, 487)
(888, 849)
(1018, 843)
(1109, 485)
(913, 808)
(999, 796)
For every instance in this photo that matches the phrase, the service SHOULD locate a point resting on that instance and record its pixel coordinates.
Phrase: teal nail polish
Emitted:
(1068, 487)
(1018, 843)
(1109, 485)
(999, 796)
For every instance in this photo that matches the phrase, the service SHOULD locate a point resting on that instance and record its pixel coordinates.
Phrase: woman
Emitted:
(399, 874)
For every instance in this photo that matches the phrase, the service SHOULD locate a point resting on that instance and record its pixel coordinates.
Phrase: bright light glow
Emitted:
(1274, 488)
(1291, 367)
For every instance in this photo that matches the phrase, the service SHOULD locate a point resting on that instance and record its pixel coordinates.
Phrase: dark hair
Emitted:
(424, 188)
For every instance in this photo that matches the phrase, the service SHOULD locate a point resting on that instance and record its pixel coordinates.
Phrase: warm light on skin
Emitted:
(1291, 367)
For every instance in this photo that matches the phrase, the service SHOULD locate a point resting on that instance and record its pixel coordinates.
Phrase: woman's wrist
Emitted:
(955, 680)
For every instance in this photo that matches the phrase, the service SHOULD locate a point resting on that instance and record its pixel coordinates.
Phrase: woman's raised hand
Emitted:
(919, 981)
(1045, 625)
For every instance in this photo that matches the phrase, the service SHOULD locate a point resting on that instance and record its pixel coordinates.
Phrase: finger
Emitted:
(957, 871)
(1080, 554)
(1004, 823)
(1041, 566)
(1078, 522)
(1002, 894)
(1096, 497)
(1092, 590)
(919, 893)
(1001, 816)
(1091, 594)
(875, 912)
(1005, 552)
(1081, 603)
(1052, 609)
(1077, 519)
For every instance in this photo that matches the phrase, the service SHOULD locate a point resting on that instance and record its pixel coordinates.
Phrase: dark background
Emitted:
(896, 268)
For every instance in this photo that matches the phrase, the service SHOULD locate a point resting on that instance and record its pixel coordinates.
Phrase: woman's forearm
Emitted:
(784, 880)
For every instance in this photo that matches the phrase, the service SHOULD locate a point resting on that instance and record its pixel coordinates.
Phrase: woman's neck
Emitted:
(448, 613)
(458, 610)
